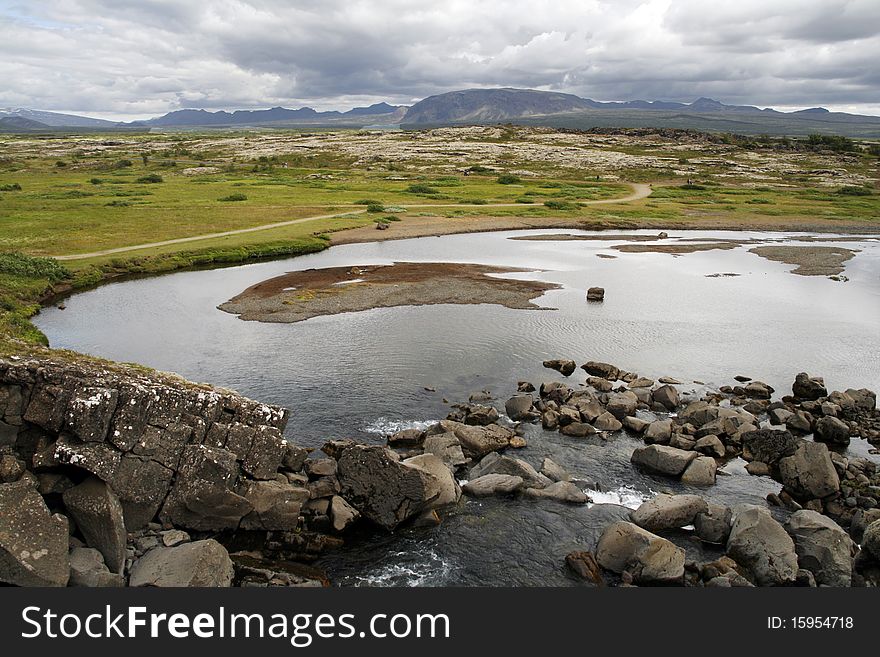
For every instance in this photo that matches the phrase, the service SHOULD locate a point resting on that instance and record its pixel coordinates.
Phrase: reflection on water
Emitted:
(363, 374)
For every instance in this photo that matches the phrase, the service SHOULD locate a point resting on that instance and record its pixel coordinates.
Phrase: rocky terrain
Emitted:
(115, 476)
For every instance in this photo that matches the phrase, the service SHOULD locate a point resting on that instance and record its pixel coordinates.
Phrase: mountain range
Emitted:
(486, 106)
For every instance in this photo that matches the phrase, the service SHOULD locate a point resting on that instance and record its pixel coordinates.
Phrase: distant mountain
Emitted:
(276, 115)
(526, 106)
(54, 119)
(21, 124)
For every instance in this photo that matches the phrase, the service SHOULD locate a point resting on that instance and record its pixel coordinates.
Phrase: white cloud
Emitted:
(137, 58)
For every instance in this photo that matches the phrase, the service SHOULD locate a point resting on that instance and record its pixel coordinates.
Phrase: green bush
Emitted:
(19, 264)
(61, 164)
(554, 204)
(508, 179)
(118, 204)
(375, 207)
(95, 181)
(420, 189)
(12, 187)
(367, 201)
(150, 178)
(122, 164)
(479, 168)
(235, 197)
(853, 190)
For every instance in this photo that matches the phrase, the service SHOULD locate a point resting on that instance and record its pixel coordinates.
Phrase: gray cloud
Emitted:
(134, 58)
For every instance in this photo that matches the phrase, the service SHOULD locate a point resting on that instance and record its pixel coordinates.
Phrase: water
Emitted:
(364, 374)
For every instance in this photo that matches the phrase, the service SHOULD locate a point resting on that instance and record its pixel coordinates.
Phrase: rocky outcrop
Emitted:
(98, 515)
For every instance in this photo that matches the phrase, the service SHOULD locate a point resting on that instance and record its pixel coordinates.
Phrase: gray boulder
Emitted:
(494, 463)
(447, 447)
(607, 422)
(87, 568)
(603, 370)
(831, 430)
(554, 471)
(519, 407)
(558, 491)
(669, 511)
(663, 459)
(871, 540)
(769, 446)
(822, 547)
(342, 514)
(476, 441)
(667, 396)
(659, 431)
(621, 404)
(809, 472)
(700, 472)
(445, 489)
(275, 506)
(761, 545)
(648, 558)
(98, 514)
(713, 526)
(33, 543)
(710, 445)
(198, 564)
(381, 488)
(563, 366)
(493, 484)
(807, 387)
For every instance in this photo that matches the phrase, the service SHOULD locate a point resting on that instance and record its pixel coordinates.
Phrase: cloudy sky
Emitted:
(140, 58)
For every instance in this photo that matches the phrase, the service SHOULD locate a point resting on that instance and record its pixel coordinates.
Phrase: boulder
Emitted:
(871, 540)
(713, 526)
(636, 424)
(809, 472)
(641, 382)
(663, 459)
(698, 413)
(381, 488)
(822, 547)
(87, 568)
(320, 467)
(480, 415)
(710, 445)
(555, 391)
(761, 545)
(596, 294)
(198, 564)
(494, 463)
(607, 422)
(659, 431)
(621, 404)
(554, 471)
(758, 390)
(445, 490)
(406, 438)
(667, 396)
(519, 407)
(831, 430)
(648, 558)
(558, 491)
(98, 514)
(493, 484)
(700, 472)
(275, 506)
(577, 430)
(33, 542)
(142, 486)
(864, 399)
(342, 514)
(603, 370)
(447, 447)
(599, 384)
(475, 441)
(807, 387)
(294, 457)
(769, 446)
(550, 420)
(669, 512)
(563, 366)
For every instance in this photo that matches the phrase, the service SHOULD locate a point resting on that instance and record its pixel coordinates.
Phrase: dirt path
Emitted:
(640, 191)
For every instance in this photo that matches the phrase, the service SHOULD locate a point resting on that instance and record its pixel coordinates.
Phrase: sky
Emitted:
(133, 59)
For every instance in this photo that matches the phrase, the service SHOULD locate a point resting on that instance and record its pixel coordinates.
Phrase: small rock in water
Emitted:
(596, 294)
(742, 379)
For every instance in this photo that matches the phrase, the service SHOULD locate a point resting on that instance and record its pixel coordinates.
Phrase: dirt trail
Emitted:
(640, 191)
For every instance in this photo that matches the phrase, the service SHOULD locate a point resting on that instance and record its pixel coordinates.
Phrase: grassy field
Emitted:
(70, 196)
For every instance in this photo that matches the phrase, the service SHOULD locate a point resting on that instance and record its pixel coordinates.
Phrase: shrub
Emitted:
(479, 168)
(832, 142)
(95, 181)
(375, 207)
(122, 164)
(61, 164)
(390, 217)
(554, 204)
(235, 197)
(508, 179)
(150, 178)
(19, 264)
(693, 186)
(118, 204)
(420, 189)
(853, 190)
(367, 201)
(12, 187)
(479, 201)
